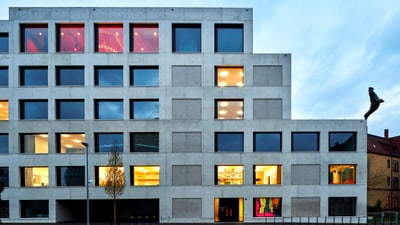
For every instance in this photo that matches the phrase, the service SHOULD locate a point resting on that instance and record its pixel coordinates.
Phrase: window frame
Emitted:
(4, 110)
(97, 174)
(353, 209)
(59, 179)
(4, 140)
(59, 108)
(4, 37)
(23, 38)
(37, 137)
(332, 176)
(276, 212)
(41, 208)
(217, 141)
(73, 139)
(305, 133)
(107, 79)
(22, 177)
(278, 174)
(132, 175)
(5, 176)
(133, 111)
(193, 26)
(132, 76)
(97, 40)
(219, 74)
(4, 79)
(218, 111)
(237, 177)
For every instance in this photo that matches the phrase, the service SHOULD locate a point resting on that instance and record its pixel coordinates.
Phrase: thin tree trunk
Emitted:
(115, 213)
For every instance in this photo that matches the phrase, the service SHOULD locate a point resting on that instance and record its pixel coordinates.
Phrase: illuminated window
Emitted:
(3, 76)
(229, 109)
(267, 142)
(70, 109)
(3, 109)
(33, 109)
(186, 38)
(305, 141)
(34, 176)
(267, 207)
(109, 38)
(229, 76)
(34, 143)
(109, 109)
(34, 208)
(229, 38)
(3, 42)
(108, 76)
(70, 175)
(342, 141)
(109, 142)
(229, 175)
(4, 143)
(145, 38)
(228, 209)
(33, 76)
(101, 174)
(144, 109)
(342, 174)
(267, 174)
(229, 142)
(145, 175)
(70, 143)
(34, 38)
(144, 142)
(144, 76)
(70, 38)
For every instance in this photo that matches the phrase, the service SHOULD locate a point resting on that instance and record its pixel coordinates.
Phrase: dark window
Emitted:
(144, 142)
(109, 38)
(229, 142)
(388, 163)
(34, 38)
(34, 143)
(70, 38)
(33, 76)
(3, 76)
(70, 75)
(4, 143)
(388, 180)
(229, 38)
(70, 176)
(267, 142)
(342, 206)
(3, 42)
(70, 143)
(395, 183)
(307, 141)
(144, 76)
(145, 38)
(70, 109)
(109, 109)
(342, 141)
(267, 207)
(108, 76)
(109, 142)
(34, 208)
(4, 176)
(33, 109)
(395, 166)
(144, 109)
(186, 38)
(4, 209)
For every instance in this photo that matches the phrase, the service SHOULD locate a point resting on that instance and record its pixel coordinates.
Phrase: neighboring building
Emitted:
(204, 124)
(383, 172)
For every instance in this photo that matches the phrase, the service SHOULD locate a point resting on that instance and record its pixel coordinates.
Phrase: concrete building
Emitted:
(202, 123)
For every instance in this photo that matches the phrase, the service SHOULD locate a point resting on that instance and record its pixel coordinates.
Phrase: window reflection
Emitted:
(70, 109)
(144, 76)
(145, 38)
(4, 143)
(144, 142)
(70, 38)
(267, 142)
(101, 176)
(34, 38)
(267, 207)
(109, 142)
(146, 175)
(70, 143)
(229, 175)
(70, 75)
(144, 109)
(230, 76)
(108, 76)
(109, 109)
(4, 176)
(3, 42)
(70, 176)
(229, 109)
(186, 38)
(342, 141)
(267, 174)
(3, 76)
(229, 38)
(33, 109)
(34, 208)
(109, 38)
(34, 76)
(229, 142)
(342, 174)
(307, 141)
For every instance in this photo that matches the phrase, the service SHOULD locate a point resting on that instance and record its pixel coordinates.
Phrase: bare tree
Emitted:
(115, 179)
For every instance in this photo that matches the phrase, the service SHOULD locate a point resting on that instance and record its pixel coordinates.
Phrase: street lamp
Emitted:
(87, 182)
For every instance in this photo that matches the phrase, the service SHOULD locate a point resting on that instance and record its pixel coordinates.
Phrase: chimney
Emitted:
(387, 134)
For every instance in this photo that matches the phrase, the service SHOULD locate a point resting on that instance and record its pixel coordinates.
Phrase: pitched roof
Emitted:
(384, 146)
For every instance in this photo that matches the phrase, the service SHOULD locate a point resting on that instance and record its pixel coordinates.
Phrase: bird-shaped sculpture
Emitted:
(375, 102)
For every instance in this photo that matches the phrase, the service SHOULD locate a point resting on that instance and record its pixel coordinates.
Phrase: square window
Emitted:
(33, 76)
(229, 38)
(70, 143)
(34, 143)
(34, 38)
(267, 174)
(267, 207)
(109, 38)
(305, 141)
(109, 142)
(229, 175)
(342, 206)
(145, 109)
(34, 208)
(70, 38)
(102, 174)
(229, 109)
(4, 143)
(3, 76)
(229, 77)
(33, 109)
(109, 109)
(342, 141)
(3, 42)
(70, 175)
(70, 109)
(34, 176)
(144, 76)
(229, 142)
(108, 76)
(3, 110)
(267, 142)
(342, 174)
(70, 75)
(4, 176)
(186, 38)
(145, 38)
(144, 142)
(145, 175)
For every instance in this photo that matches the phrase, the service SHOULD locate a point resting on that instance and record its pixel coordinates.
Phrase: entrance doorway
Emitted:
(228, 210)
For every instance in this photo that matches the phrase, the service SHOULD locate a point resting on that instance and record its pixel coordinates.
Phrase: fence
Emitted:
(317, 220)
(385, 217)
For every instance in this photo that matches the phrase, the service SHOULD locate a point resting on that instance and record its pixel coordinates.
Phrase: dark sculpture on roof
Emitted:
(375, 102)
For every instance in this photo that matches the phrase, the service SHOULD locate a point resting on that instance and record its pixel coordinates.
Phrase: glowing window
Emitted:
(3, 109)
(229, 76)
(267, 207)
(228, 209)
(267, 174)
(35, 143)
(146, 175)
(342, 174)
(229, 109)
(70, 38)
(109, 38)
(34, 176)
(34, 38)
(229, 175)
(70, 143)
(145, 38)
(101, 174)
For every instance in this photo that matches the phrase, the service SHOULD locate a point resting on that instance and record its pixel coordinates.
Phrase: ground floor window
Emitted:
(4, 209)
(34, 208)
(267, 207)
(228, 210)
(342, 206)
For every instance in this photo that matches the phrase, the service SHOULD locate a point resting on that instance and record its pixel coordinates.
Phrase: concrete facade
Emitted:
(187, 123)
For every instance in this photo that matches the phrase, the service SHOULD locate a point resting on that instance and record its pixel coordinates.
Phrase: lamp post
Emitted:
(87, 183)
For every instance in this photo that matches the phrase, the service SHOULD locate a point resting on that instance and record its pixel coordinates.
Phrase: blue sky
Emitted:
(339, 48)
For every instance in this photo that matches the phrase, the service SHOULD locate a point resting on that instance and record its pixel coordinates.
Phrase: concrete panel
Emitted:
(186, 175)
(186, 109)
(267, 76)
(186, 142)
(267, 109)
(305, 206)
(186, 76)
(186, 208)
(305, 175)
